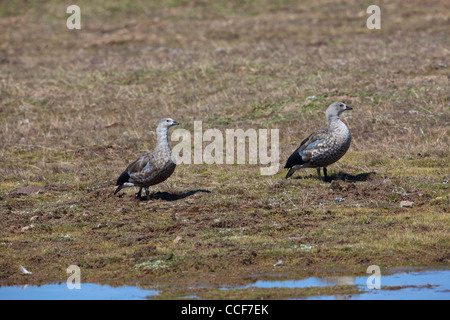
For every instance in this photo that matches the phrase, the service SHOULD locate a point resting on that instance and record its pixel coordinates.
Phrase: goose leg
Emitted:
(325, 174)
(138, 194)
(318, 173)
(147, 193)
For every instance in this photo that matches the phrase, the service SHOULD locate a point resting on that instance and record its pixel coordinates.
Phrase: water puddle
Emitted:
(410, 285)
(87, 291)
(420, 285)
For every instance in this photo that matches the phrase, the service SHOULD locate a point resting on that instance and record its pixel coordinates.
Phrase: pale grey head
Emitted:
(167, 123)
(163, 128)
(335, 109)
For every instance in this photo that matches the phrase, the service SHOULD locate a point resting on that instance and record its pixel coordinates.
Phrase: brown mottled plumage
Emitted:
(324, 146)
(153, 167)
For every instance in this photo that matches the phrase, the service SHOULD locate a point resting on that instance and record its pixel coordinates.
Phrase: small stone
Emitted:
(178, 239)
(26, 228)
(406, 204)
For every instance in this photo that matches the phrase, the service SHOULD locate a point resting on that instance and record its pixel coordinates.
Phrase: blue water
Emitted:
(415, 285)
(421, 285)
(87, 291)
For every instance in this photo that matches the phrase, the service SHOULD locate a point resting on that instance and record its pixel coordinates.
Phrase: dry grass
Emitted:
(77, 106)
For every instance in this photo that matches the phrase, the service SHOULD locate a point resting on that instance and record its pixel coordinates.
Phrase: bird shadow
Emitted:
(350, 177)
(343, 176)
(167, 196)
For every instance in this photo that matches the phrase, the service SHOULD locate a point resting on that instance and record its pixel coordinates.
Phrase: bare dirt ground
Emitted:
(76, 106)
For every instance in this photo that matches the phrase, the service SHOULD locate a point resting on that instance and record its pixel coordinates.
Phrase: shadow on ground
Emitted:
(166, 196)
(342, 176)
(350, 177)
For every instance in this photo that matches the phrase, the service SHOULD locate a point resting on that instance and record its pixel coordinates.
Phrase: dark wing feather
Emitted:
(138, 165)
(296, 158)
(124, 177)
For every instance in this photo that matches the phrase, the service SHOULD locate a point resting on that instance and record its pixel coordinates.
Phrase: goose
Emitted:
(323, 147)
(153, 167)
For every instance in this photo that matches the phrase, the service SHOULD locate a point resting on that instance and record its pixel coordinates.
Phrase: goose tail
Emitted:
(123, 178)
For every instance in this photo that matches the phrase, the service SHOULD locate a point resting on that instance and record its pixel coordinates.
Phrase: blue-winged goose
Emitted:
(153, 167)
(324, 146)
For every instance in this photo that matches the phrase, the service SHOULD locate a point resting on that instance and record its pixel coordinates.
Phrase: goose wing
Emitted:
(303, 153)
